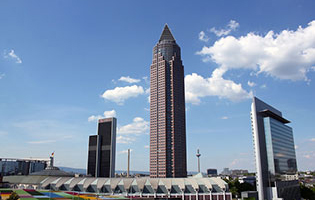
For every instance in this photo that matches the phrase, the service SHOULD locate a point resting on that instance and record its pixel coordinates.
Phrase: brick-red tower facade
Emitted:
(167, 110)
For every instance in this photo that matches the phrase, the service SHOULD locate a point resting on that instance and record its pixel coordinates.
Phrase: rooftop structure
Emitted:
(21, 166)
(212, 172)
(226, 171)
(51, 170)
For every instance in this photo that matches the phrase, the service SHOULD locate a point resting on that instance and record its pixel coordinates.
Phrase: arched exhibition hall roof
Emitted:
(145, 185)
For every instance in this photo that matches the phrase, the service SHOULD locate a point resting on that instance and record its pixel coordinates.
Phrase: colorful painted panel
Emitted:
(53, 195)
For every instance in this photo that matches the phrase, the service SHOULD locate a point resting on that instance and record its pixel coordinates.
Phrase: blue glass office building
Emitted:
(276, 168)
(280, 147)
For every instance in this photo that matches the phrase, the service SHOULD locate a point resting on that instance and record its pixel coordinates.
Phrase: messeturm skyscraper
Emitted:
(167, 110)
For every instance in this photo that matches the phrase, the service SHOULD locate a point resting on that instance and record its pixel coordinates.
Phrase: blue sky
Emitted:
(64, 64)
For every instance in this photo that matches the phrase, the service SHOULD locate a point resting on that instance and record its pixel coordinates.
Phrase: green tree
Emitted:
(245, 187)
(236, 188)
(234, 192)
(13, 196)
(307, 193)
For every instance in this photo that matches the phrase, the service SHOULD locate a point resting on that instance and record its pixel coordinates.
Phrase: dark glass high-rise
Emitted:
(102, 149)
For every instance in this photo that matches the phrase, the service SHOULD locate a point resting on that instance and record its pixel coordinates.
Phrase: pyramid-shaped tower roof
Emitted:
(166, 34)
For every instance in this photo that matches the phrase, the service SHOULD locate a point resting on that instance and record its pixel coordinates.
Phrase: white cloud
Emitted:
(232, 25)
(312, 139)
(235, 162)
(11, 55)
(124, 151)
(224, 117)
(146, 146)
(203, 37)
(147, 91)
(120, 94)
(54, 130)
(107, 114)
(288, 55)
(137, 127)
(197, 86)
(129, 80)
(42, 141)
(3, 133)
(251, 84)
(296, 146)
(68, 137)
(264, 86)
(110, 113)
(307, 156)
(146, 79)
(1, 75)
(124, 140)
(240, 161)
(94, 118)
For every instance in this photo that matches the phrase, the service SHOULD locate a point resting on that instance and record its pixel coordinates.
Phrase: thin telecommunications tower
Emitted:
(198, 155)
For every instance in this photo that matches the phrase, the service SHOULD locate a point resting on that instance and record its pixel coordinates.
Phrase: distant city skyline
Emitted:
(65, 64)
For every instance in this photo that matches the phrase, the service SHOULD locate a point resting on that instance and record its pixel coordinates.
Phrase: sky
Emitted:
(65, 64)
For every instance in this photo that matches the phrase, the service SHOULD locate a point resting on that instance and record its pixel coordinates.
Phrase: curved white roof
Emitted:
(189, 185)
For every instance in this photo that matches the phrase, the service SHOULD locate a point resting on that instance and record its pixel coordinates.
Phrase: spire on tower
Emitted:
(166, 34)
